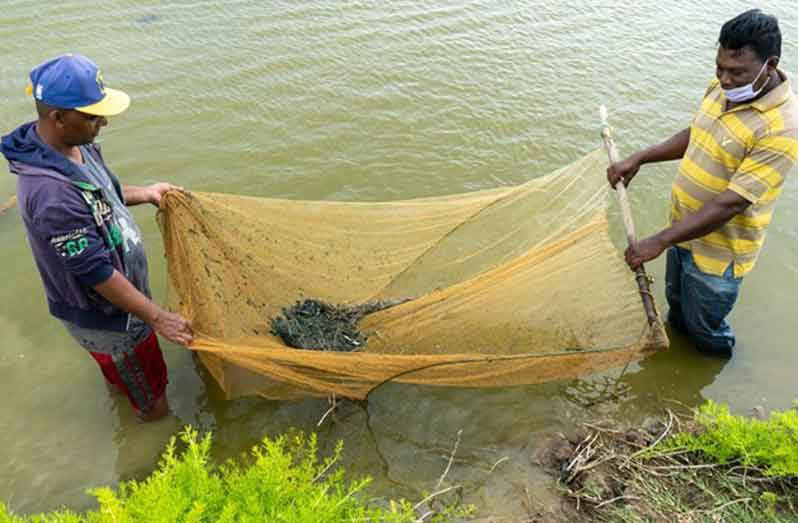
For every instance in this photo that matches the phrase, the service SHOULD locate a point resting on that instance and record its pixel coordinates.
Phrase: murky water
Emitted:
(370, 101)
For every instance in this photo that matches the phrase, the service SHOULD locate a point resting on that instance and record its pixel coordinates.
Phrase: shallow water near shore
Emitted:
(368, 102)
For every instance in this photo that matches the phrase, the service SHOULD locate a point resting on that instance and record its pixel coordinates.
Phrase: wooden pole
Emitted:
(631, 237)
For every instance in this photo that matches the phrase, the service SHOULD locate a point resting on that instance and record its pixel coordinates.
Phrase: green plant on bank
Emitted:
(770, 445)
(700, 496)
(285, 482)
(716, 468)
(743, 471)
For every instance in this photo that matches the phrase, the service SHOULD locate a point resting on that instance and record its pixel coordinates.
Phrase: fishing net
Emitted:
(507, 286)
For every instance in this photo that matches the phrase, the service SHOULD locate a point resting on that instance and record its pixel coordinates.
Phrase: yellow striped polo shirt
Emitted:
(749, 150)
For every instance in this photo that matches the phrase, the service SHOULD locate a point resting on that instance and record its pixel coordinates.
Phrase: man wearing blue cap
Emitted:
(86, 245)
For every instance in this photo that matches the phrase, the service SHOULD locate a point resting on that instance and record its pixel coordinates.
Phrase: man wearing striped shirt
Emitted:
(734, 156)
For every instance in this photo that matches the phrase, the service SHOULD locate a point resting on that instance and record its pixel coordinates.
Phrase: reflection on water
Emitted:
(326, 100)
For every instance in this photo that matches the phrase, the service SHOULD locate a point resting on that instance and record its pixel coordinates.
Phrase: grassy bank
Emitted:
(702, 466)
(283, 480)
(708, 466)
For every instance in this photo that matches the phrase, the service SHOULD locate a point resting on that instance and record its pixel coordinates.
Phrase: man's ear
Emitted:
(773, 62)
(56, 116)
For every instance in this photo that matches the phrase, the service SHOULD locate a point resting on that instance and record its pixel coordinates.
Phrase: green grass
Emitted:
(735, 469)
(283, 481)
(718, 467)
(700, 496)
(770, 445)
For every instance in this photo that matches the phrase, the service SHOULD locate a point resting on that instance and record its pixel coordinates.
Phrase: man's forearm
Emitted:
(135, 195)
(713, 215)
(671, 149)
(118, 290)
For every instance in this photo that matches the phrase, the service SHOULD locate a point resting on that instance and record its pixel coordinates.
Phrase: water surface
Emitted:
(370, 101)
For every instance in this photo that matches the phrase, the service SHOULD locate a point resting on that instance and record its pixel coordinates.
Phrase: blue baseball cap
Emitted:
(72, 81)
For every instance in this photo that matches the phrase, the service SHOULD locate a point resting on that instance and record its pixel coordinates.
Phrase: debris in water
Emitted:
(148, 19)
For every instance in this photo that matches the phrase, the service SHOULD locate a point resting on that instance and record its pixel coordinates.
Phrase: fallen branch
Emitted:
(502, 460)
(609, 465)
(596, 463)
(451, 458)
(434, 494)
(660, 438)
(617, 498)
(582, 454)
(334, 405)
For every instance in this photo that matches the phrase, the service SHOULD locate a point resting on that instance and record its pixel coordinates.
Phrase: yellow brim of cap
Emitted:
(115, 102)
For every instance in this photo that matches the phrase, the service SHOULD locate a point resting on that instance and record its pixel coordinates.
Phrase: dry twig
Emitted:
(502, 460)
(660, 438)
(451, 458)
(616, 498)
(434, 494)
(331, 400)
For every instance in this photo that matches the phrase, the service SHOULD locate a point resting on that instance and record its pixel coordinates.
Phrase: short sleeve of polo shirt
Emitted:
(761, 174)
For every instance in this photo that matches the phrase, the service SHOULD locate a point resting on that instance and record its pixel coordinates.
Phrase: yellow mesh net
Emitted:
(507, 286)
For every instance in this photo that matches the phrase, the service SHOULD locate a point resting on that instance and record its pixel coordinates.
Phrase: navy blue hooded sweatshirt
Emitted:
(77, 229)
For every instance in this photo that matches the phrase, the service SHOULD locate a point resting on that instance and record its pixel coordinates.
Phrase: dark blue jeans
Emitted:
(699, 302)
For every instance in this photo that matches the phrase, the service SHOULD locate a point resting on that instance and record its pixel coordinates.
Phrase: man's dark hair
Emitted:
(42, 109)
(754, 29)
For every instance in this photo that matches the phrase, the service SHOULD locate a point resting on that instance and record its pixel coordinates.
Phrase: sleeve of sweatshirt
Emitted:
(67, 225)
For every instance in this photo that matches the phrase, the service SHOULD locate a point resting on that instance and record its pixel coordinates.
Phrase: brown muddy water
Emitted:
(370, 101)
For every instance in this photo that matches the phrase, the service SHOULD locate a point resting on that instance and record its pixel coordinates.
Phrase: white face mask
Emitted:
(745, 92)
